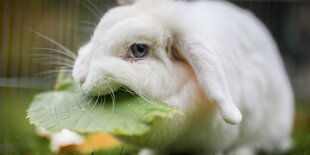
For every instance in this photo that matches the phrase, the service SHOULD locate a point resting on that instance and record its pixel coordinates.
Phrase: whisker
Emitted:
(38, 57)
(51, 72)
(89, 23)
(51, 55)
(57, 68)
(103, 102)
(86, 94)
(61, 67)
(143, 97)
(48, 72)
(84, 30)
(97, 99)
(89, 7)
(127, 90)
(95, 7)
(83, 95)
(113, 98)
(48, 58)
(54, 60)
(54, 42)
(89, 101)
(59, 63)
(73, 57)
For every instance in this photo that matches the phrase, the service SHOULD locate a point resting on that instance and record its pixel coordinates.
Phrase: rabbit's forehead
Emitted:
(113, 16)
(141, 26)
(128, 31)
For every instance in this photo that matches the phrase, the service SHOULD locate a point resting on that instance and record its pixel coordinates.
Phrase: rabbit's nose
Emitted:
(82, 79)
(80, 73)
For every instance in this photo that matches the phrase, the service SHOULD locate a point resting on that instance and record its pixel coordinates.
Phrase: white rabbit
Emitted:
(209, 59)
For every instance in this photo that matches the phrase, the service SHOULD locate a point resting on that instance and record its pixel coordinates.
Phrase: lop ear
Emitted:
(125, 2)
(209, 72)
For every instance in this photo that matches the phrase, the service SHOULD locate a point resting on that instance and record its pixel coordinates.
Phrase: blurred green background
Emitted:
(71, 22)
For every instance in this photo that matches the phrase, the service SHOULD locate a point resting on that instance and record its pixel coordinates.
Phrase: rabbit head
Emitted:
(139, 51)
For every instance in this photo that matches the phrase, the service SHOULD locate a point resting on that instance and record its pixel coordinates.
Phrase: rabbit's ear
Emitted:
(209, 72)
(125, 2)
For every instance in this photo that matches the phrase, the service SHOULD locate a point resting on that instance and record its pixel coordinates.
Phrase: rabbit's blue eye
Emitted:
(138, 50)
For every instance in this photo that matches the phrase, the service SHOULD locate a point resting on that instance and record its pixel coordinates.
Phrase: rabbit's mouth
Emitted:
(98, 89)
(111, 94)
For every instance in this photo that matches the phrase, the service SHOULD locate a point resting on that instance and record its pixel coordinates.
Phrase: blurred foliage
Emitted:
(17, 136)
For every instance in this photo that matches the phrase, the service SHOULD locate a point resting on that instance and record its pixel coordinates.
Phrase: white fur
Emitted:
(64, 138)
(230, 60)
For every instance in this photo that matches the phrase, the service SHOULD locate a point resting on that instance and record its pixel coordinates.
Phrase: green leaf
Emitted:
(65, 107)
